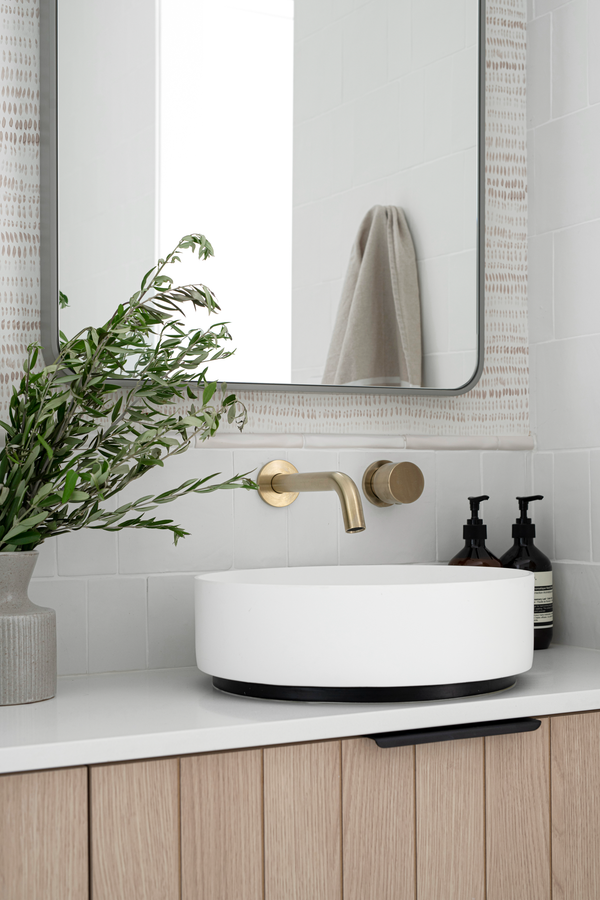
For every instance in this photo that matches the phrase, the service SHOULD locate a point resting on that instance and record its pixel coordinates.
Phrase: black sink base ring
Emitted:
(364, 694)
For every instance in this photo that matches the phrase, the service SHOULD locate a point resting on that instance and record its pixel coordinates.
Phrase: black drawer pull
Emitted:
(453, 732)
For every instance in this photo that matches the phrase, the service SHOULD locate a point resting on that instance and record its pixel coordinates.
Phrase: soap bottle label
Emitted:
(542, 611)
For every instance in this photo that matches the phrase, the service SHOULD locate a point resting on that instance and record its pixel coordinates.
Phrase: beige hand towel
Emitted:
(376, 339)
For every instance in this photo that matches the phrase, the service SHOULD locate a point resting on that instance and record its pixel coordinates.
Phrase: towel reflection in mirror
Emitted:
(376, 339)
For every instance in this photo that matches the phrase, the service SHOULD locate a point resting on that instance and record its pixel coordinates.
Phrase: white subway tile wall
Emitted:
(569, 64)
(577, 588)
(576, 280)
(117, 624)
(572, 505)
(542, 512)
(595, 503)
(87, 552)
(47, 562)
(564, 218)
(259, 531)
(143, 614)
(566, 393)
(539, 85)
(593, 58)
(544, 6)
(458, 476)
(207, 517)
(541, 288)
(567, 177)
(68, 597)
(171, 621)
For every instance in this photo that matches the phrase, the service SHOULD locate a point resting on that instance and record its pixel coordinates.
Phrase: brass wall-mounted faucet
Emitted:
(279, 483)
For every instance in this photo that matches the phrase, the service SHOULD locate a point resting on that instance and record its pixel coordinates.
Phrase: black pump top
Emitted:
(475, 529)
(523, 527)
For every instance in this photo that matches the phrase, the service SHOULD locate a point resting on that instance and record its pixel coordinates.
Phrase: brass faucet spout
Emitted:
(352, 511)
(279, 483)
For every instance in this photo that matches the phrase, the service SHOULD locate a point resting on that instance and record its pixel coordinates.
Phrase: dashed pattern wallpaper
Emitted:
(498, 405)
(19, 179)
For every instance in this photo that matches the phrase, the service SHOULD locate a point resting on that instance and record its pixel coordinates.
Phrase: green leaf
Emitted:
(51, 500)
(57, 401)
(30, 537)
(194, 421)
(47, 448)
(209, 392)
(70, 482)
(79, 496)
(14, 532)
(27, 429)
(41, 494)
(66, 379)
(30, 521)
(116, 409)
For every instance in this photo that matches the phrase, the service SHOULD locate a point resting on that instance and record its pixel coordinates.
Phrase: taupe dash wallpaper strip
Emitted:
(20, 182)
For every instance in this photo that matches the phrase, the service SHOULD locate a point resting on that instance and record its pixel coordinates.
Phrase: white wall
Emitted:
(385, 113)
(564, 279)
(126, 601)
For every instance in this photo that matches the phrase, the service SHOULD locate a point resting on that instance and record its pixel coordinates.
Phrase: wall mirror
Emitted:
(332, 152)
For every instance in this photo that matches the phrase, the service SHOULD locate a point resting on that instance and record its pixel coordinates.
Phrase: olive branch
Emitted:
(75, 437)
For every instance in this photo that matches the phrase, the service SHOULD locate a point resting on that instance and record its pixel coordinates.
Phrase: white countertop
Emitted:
(168, 712)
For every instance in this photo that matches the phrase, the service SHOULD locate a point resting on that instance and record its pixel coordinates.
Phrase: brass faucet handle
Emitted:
(386, 483)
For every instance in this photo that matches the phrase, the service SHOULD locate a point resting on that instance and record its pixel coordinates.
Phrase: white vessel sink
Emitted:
(364, 633)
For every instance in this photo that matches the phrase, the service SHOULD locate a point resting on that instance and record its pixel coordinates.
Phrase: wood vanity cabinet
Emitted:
(513, 817)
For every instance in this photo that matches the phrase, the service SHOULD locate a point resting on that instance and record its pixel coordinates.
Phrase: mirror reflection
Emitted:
(327, 150)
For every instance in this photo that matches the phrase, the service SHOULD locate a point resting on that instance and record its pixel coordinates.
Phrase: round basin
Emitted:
(364, 633)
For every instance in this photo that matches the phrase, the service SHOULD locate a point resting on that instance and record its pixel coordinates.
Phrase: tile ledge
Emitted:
(369, 442)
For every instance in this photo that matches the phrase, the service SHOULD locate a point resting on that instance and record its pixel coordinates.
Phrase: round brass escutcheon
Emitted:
(265, 482)
(386, 483)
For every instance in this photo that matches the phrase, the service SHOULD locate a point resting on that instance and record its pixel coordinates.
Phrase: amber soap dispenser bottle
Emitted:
(525, 555)
(475, 553)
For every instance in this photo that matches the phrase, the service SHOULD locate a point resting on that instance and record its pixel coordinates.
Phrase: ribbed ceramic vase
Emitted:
(27, 635)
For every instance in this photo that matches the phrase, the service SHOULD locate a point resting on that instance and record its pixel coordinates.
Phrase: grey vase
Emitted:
(27, 635)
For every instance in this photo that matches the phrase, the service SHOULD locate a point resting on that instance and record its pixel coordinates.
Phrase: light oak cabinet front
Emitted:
(44, 835)
(134, 831)
(514, 817)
